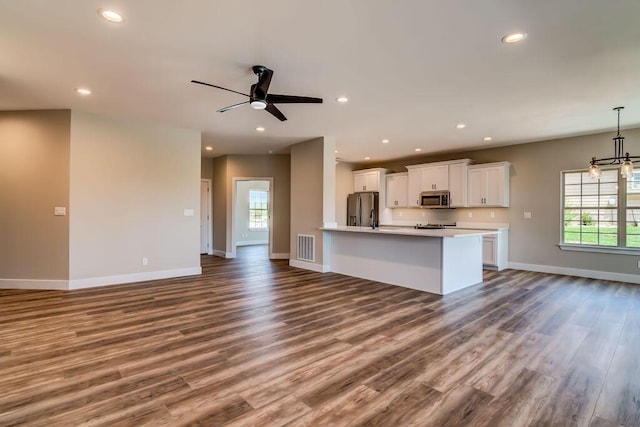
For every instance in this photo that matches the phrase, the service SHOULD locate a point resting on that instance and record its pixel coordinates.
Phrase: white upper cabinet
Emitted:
(440, 176)
(366, 180)
(488, 185)
(397, 186)
(458, 184)
(435, 178)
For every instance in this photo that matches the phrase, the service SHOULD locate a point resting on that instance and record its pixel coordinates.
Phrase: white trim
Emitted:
(280, 255)
(92, 282)
(600, 249)
(320, 268)
(36, 284)
(330, 225)
(590, 274)
(252, 242)
(232, 212)
(210, 208)
(223, 254)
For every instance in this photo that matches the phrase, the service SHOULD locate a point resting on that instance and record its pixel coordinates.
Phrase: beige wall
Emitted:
(344, 187)
(130, 183)
(206, 168)
(219, 204)
(243, 234)
(34, 178)
(225, 168)
(535, 188)
(313, 192)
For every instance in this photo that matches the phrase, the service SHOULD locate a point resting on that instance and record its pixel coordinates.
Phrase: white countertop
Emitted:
(394, 230)
(498, 226)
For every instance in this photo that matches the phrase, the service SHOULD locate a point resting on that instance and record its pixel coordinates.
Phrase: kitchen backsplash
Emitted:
(433, 216)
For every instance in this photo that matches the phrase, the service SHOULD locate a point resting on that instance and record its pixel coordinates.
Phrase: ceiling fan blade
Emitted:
(264, 79)
(218, 87)
(231, 107)
(290, 99)
(274, 110)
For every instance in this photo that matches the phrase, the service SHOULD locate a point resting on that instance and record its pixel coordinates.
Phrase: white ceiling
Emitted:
(412, 69)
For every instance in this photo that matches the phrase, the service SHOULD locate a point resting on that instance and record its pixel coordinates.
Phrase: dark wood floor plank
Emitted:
(256, 342)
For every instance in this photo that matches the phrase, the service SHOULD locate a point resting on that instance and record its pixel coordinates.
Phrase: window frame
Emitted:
(621, 219)
(251, 210)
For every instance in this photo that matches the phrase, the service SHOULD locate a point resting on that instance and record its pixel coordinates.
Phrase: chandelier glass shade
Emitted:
(620, 157)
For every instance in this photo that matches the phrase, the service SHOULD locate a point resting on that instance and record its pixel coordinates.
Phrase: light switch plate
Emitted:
(188, 212)
(59, 211)
(527, 215)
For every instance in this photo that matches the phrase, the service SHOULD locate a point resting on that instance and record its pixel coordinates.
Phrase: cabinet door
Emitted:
(435, 178)
(495, 186)
(489, 250)
(476, 183)
(365, 181)
(396, 191)
(458, 185)
(413, 188)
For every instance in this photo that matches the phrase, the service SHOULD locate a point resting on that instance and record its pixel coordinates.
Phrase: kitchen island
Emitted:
(437, 261)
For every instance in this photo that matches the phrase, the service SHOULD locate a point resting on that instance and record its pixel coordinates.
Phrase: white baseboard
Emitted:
(35, 284)
(222, 254)
(252, 242)
(92, 282)
(579, 272)
(281, 255)
(309, 266)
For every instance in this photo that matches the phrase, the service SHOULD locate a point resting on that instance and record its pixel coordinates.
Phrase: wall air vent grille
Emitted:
(306, 247)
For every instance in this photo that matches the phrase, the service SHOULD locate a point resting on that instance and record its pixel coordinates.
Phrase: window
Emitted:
(601, 212)
(258, 210)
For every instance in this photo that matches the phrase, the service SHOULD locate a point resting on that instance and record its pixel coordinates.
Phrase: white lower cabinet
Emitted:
(495, 251)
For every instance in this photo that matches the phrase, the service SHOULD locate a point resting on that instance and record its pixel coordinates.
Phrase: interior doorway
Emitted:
(206, 223)
(252, 215)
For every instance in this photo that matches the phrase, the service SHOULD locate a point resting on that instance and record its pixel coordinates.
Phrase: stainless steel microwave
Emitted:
(435, 199)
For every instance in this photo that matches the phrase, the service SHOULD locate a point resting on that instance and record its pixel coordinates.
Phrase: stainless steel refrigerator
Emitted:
(362, 209)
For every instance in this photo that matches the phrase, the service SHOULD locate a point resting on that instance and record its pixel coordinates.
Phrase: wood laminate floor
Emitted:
(254, 342)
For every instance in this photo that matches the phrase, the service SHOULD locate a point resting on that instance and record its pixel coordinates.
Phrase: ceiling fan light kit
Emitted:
(260, 99)
(620, 157)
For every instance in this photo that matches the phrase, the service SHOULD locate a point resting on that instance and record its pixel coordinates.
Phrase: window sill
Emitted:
(258, 229)
(600, 249)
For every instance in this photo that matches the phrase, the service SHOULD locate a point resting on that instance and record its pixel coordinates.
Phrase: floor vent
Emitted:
(306, 245)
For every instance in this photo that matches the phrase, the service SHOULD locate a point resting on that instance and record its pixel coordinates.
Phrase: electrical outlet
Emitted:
(470, 214)
(527, 215)
(492, 214)
(145, 261)
(639, 264)
(424, 214)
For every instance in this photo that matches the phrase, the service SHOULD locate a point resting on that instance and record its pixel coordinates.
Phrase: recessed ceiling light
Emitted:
(367, 158)
(342, 99)
(461, 126)
(208, 148)
(110, 15)
(83, 91)
(336, 151)
(514, 37)
(260, 129)
(417, 150)
(385, 141)
(487, 138)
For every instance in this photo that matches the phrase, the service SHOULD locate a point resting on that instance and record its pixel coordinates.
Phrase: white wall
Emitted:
(344, 187)
(130, 184)
(244, 236)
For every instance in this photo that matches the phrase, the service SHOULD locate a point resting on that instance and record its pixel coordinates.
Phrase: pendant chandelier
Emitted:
(621, 157)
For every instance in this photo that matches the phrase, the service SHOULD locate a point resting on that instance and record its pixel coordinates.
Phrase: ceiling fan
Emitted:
(260, 99)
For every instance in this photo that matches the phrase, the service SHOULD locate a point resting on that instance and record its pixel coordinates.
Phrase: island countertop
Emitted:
(394, 230)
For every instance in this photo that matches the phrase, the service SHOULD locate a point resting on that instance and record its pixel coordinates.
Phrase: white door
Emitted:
(204, 217)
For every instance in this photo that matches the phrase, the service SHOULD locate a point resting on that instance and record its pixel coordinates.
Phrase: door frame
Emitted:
(210, 215)
(234, 201)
